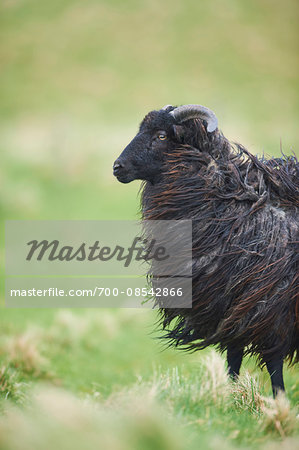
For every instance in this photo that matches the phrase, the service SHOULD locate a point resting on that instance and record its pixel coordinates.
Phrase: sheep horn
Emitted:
(185, 112)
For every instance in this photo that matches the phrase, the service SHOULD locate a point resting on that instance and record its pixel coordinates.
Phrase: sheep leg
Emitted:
(275, 369)
(234, 361)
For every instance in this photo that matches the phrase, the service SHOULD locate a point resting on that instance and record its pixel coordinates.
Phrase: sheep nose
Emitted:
(117, 166)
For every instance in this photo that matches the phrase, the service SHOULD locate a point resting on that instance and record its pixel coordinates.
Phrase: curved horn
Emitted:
(185, 112)
(166, 107)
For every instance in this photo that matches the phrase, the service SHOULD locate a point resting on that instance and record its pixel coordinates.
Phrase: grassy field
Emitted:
(76, 79)
(100, 378)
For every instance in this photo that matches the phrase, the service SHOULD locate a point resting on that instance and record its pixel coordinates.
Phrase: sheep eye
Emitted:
(162, 136)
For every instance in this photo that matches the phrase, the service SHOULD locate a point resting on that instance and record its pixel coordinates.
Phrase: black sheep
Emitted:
(244, 213)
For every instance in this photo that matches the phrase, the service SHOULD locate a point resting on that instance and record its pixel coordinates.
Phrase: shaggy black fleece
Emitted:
(245, 243)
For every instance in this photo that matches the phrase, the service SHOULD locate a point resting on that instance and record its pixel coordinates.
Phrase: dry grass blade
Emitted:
(216, 382)
(22, 352)
(246, 393)
(278, 416)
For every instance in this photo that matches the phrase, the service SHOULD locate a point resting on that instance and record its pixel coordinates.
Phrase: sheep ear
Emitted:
(179, 131)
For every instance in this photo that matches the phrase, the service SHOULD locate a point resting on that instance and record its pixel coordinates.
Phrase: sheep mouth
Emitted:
(123, 177)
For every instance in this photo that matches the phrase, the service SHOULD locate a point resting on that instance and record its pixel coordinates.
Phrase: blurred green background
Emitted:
(76, 78)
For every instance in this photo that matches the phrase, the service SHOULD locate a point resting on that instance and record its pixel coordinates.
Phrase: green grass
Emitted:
(106, 360)
(76, 79)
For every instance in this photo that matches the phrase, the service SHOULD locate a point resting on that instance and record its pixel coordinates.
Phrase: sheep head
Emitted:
(159, 134)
